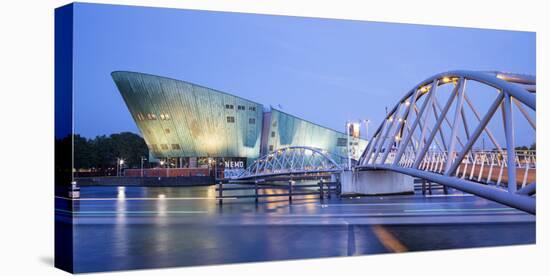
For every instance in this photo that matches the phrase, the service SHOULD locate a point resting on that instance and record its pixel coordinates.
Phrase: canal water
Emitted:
(120, 228)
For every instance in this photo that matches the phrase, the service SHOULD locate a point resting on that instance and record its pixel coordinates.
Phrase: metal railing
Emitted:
(480, 166)
(322, 188)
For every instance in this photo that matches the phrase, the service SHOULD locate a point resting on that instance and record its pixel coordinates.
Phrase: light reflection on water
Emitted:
(163, 229)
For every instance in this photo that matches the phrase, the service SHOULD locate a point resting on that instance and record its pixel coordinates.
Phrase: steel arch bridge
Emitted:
(293, 160)
(423, 138)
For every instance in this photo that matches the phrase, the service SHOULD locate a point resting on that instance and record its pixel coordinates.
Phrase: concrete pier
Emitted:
(375, 183)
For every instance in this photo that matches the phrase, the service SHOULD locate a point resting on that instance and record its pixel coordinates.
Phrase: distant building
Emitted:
(191, 126)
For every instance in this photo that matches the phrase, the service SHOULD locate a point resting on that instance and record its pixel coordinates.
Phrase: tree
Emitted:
(103, 151)
(130, 147)
(83, 152)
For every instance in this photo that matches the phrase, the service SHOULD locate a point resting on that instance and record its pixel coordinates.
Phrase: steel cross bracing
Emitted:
(441, 142)
(293, 160)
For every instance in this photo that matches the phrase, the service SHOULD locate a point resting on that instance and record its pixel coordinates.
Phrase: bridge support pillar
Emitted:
(375, 183)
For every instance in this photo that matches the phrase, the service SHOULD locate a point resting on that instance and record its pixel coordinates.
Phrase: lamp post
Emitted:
(367, 122)
(348, 123)
(209, 165)
(142, 159)
(167, 167)
(162, 164)
(120, 164)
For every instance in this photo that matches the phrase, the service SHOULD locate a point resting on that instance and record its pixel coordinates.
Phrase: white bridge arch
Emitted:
(422, 138)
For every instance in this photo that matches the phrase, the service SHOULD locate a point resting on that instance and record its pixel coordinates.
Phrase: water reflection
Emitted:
(147, 227)
(121, 195)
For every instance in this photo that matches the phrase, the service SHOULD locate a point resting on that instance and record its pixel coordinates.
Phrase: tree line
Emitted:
(103, 151)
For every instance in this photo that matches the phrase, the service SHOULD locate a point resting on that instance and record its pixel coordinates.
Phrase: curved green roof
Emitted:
(181, 119)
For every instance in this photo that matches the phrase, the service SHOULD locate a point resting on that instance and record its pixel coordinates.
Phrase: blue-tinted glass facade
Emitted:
(181, 119)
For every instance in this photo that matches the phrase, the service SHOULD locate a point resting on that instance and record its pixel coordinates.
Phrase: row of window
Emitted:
(152, 116)
(342, 142)
(165, 147)
(240, 107)
(231, 119)
(165, 116)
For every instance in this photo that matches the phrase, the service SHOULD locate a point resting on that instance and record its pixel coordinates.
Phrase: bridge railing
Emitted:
(478, 165)
(293, 160)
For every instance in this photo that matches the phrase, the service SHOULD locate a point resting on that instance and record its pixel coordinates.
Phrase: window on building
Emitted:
(270, 147)
(230, 119)
(229, 106)
(153, 117)
(252, 121)
(176, 146)
(241, 107)
(154, 147)
(167, 130)
(166, 117)
(341, 142)
(273, 134)
(164, 146)
(252, 108)
(162, 116)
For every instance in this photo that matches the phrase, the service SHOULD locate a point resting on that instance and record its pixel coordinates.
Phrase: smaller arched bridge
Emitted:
(294, 160)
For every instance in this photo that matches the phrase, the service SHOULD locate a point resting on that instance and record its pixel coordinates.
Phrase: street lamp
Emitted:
(168, 167)
(367, 122)
(162, 162)
(142, 159)
(209, 165)
(348, 124)
(119, 163)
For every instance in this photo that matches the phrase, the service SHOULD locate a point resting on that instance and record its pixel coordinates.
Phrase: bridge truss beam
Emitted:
(412, 141)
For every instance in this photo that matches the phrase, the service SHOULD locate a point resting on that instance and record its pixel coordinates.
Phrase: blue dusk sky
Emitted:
(326, 71)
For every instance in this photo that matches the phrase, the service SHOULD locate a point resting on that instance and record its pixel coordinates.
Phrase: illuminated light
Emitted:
(425, 88)
(121, 161)
(390, 118)
(121, 193)
(407, 103)
(446, 79)
(400, 120)
(397, 138)
(162, 196)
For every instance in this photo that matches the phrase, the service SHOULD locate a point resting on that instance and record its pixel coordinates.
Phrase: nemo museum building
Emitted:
(188, 125)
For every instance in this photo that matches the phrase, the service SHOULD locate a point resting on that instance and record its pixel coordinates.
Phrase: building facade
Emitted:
(190, 125)
(284, 130)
